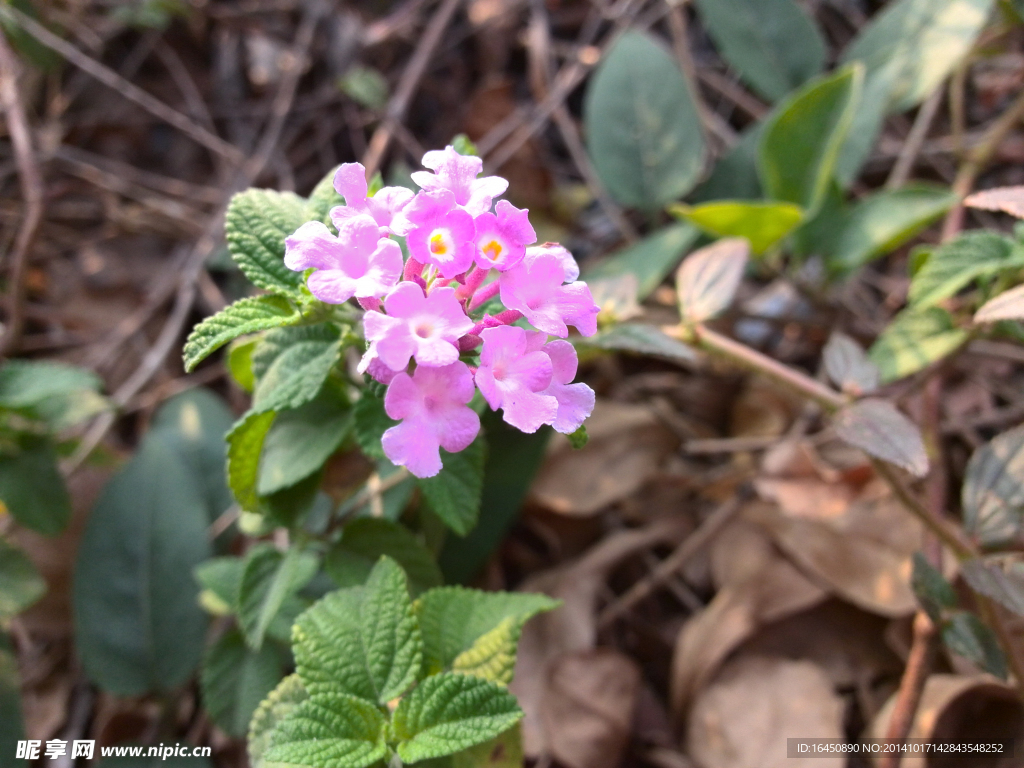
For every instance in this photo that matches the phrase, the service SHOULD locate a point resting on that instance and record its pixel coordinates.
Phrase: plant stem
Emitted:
(919, 663)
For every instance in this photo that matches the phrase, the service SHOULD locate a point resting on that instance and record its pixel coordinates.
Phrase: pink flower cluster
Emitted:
(462, 254)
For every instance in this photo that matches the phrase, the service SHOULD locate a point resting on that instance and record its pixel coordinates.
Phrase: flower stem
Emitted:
(484, 295)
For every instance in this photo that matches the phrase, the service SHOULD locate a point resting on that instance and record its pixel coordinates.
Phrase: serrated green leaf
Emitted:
(957, 263)
(801, 141)
(255, 227)
(882, 222)
(454, 493)
(447, 713)
(58, 394)
(323, 197)
(268, 579)
(239, 362)
(221, 577)
(371, 422)
(329, 729)
(275, 341)
(761, 224)
(993, 491)
(914, 340)
(493, 655)
(772, 44)
(965, 634)
(362, 641)
(988, 577)
(643, 131)
(933, 591)
(20, 582)
(362, 543)
(300, 441)
(274, 709)
(245, 443)
(235, 680)
(296, 375)
(452, 619)
(250, 315)
(649, 261)
(880, 430)
(32, 488)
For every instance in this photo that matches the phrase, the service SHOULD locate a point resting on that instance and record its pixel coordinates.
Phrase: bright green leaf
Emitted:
(362, 543)
(276, 341)
(256, 313)
(914, 340)
(245, 443)
(274, 709)
(268, 579)
(300, 441)
(762, 224)
(239, 362)
(329, 729)
(993, 492)
(20, 582)
(454, 493)
(255, 227)
(493, 655)
(643, 131)
(957, 263)
(235, 680)
(32, 488)
(650, 260)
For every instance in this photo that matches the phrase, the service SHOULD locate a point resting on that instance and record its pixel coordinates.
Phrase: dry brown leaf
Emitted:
(1007, 199)
(807, 497)
(742, 720)
(627, 445)
(588, 708)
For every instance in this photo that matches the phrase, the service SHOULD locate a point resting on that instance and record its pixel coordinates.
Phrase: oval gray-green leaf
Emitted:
(708, 279)
(643, 131)
(993, 492)
(878, 429)
(848, 365)
(301, 440)
(988, 577)
(32, 488)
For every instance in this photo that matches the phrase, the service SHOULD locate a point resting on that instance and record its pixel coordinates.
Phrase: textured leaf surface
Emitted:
(454, 492)
(245, 443)
(773, 44)
(255, 227)
(447, 713)
(1008, 305)
(707, 280)
(362, 543)
(915, 340)
(965, 634)
(801, 141)
(280, 703)
(235, 680)
(989, 578)
(643, 132)
(880, 430)
(762, 224)
(848, 365)
(296, 375)
(257, 313)
(268, 579)
(300, 441)
(452, 619)
(493, 655)
(371, 422)
(650, 260)
(277, 340)
(32, 488)
(329, 729)
(138, 625)
(362, 641)
(959, 262)
(993, 492)
(20, 582)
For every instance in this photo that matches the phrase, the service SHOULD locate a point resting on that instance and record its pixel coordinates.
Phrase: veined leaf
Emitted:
(493, 655)
(329, 729)
(993, 492)
(296, 375)
(245, 443)
(447, 713)
(965, 634)
(914, 340)
(773, 44)
(643, 131)
(454, 493)
(268, 579)
(362, 543)
(255, 227)
(1008, 305)
(20, 582)
(236, 679)
(362, 641)
(274, 709)
(371, 422)
(935, 594)
(32, 488)
(848, 365)
(955, 264)
(762, 224)
(275, 341)
(708, 279)
(650, 260)
(989, 578)
(802, 139)
(878, 429)
(256, 313)
(300, 441)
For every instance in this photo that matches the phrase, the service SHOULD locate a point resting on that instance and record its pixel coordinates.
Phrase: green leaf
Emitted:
(221, 580)
(366, 86)
(300, 441)
(255, 227)
(447, 713)
(329, 729)
(933, 591)
(239, 362)
(505, 751)
(138, 626)
(988, 577)
(848, 365)
(362, 641)
(772, 44)
(324, 197)
(880, 430)
(245, 443)
(20, 582)
(708, 279)
(734, 176)
(276, 341)
(762, 224)
(882, 222)
(802, 139)
(643, 131)
(965, 634)
(993, 492)
(650, 260)
(11, 726)
(454, 493)
(256, 313)
(493, 655)
(362, 543)
(914, 340)
(371, 422)
(452, 619)
(865, 127)
(32, 488)
(642, 339)
(60, 395)
(269, 578)
(579, 438)
(296, 375)
(274, 709)
(235, 680)
(957, 263)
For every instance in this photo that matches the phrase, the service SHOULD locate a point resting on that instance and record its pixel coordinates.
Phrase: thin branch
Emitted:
(908, 697)
(915, 139)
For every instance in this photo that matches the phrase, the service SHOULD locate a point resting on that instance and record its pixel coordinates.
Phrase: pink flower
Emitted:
(536, 289)
(373, 365)
(432, 406)
(575, 401)
(513, 378)
(560, 252)
(501, 239)
(438, 233)
(383, 207)
(458, 173)
(424, 327)
(355, 263)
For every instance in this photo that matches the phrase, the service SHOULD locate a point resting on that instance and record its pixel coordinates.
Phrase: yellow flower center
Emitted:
(438, 246)
(492, 250)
